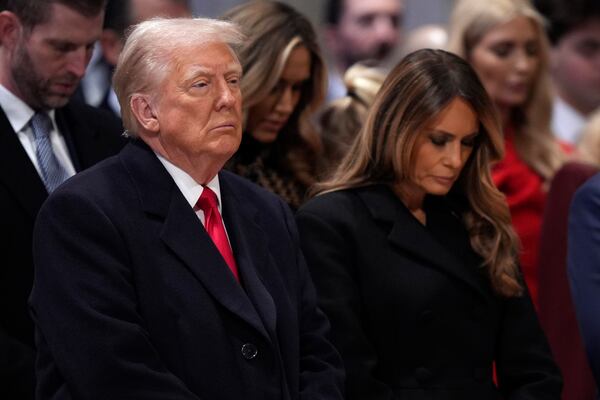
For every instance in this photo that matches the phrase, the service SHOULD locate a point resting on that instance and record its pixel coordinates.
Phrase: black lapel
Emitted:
(250, 246)
(184, 234)
(17, 171)
(70, 127)
(408, 234)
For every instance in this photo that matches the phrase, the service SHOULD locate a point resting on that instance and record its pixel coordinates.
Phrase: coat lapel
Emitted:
(250, 247)
(184, 234)
(408, 234)
(68, 125)
(18, 172)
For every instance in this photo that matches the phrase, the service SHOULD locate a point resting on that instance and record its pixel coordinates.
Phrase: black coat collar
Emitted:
(407, 233)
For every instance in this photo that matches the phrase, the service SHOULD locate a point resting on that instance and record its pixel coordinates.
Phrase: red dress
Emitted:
(526, 198)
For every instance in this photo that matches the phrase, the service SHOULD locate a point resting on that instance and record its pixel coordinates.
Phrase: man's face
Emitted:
(368, 29)
(49, 61)
(576, 66)
(199, 106)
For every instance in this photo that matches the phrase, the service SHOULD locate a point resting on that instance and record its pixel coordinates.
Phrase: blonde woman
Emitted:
(283, 85)
(412, 251)
(505, 42)
(342, 118)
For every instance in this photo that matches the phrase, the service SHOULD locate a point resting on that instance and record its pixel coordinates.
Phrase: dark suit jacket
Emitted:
(583, 266)
(412, 312)
(91, 136)
(132, 300)
(555, 307)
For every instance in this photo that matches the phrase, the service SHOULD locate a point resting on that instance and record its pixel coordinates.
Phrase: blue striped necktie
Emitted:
(53, 173)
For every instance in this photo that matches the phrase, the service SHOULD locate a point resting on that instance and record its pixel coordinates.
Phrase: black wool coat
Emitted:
(412, 312)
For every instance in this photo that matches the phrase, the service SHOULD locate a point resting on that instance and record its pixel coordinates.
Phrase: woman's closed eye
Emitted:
(470, 141)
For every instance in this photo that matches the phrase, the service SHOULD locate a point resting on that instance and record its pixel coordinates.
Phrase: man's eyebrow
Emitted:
(195, 70)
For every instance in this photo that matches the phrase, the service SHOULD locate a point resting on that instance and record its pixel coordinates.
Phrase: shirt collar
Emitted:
(17, 111)
(190, 189)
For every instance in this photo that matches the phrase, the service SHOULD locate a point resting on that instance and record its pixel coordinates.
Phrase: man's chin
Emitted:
(55, 100)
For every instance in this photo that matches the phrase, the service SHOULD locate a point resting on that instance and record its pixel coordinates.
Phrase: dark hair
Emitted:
(35, 12)
(118, 16)
(564, 16)
(333, 11)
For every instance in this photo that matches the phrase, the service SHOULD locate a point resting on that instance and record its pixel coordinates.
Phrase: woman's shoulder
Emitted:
(336, 202)
(351, 203)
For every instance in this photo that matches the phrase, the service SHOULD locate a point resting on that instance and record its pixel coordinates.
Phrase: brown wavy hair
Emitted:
(412, 95)
(273, 30)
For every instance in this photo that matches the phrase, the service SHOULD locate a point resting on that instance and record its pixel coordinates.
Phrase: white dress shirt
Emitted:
(567, 123)
(19, 114)
(191, 189)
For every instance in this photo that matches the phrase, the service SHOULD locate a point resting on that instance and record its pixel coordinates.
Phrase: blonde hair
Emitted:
(342, 118)
(469, 22)
(147, 55)
(414, 92)
(274, 29)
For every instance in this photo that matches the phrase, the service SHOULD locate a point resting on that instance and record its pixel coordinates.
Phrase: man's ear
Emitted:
(144, 112)
(11, 29)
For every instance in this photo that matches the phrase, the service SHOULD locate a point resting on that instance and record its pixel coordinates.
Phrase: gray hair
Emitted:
(147, 55)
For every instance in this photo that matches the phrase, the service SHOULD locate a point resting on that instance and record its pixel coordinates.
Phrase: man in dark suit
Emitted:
(157, 275)
(44, 48)
(583, 267)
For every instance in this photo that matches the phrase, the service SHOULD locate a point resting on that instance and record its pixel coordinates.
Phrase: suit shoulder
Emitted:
(98, 181)
(589, 192)
(339, 203)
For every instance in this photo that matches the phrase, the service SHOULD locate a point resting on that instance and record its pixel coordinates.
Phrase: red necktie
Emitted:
(214, 227)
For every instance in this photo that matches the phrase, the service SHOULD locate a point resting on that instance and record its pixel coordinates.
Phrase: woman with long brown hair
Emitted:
(412, 251)
(283, 85)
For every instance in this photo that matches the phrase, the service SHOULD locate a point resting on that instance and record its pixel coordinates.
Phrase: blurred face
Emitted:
(269, 116)
(143, 10)
(442, 149)
(199, 105)
(368, 29)
(507, 60)
(576, 66)
(49, 61)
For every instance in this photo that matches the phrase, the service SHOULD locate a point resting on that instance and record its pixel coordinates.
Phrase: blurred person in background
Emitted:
(283, 85)
(583, 268)
(358, 30)
(505, 42)
(342, 118)
(556, 310)
(574, 31)
(411, 248)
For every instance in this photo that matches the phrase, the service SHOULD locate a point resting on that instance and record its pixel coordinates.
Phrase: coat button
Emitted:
(249, 351)
(423, 375)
